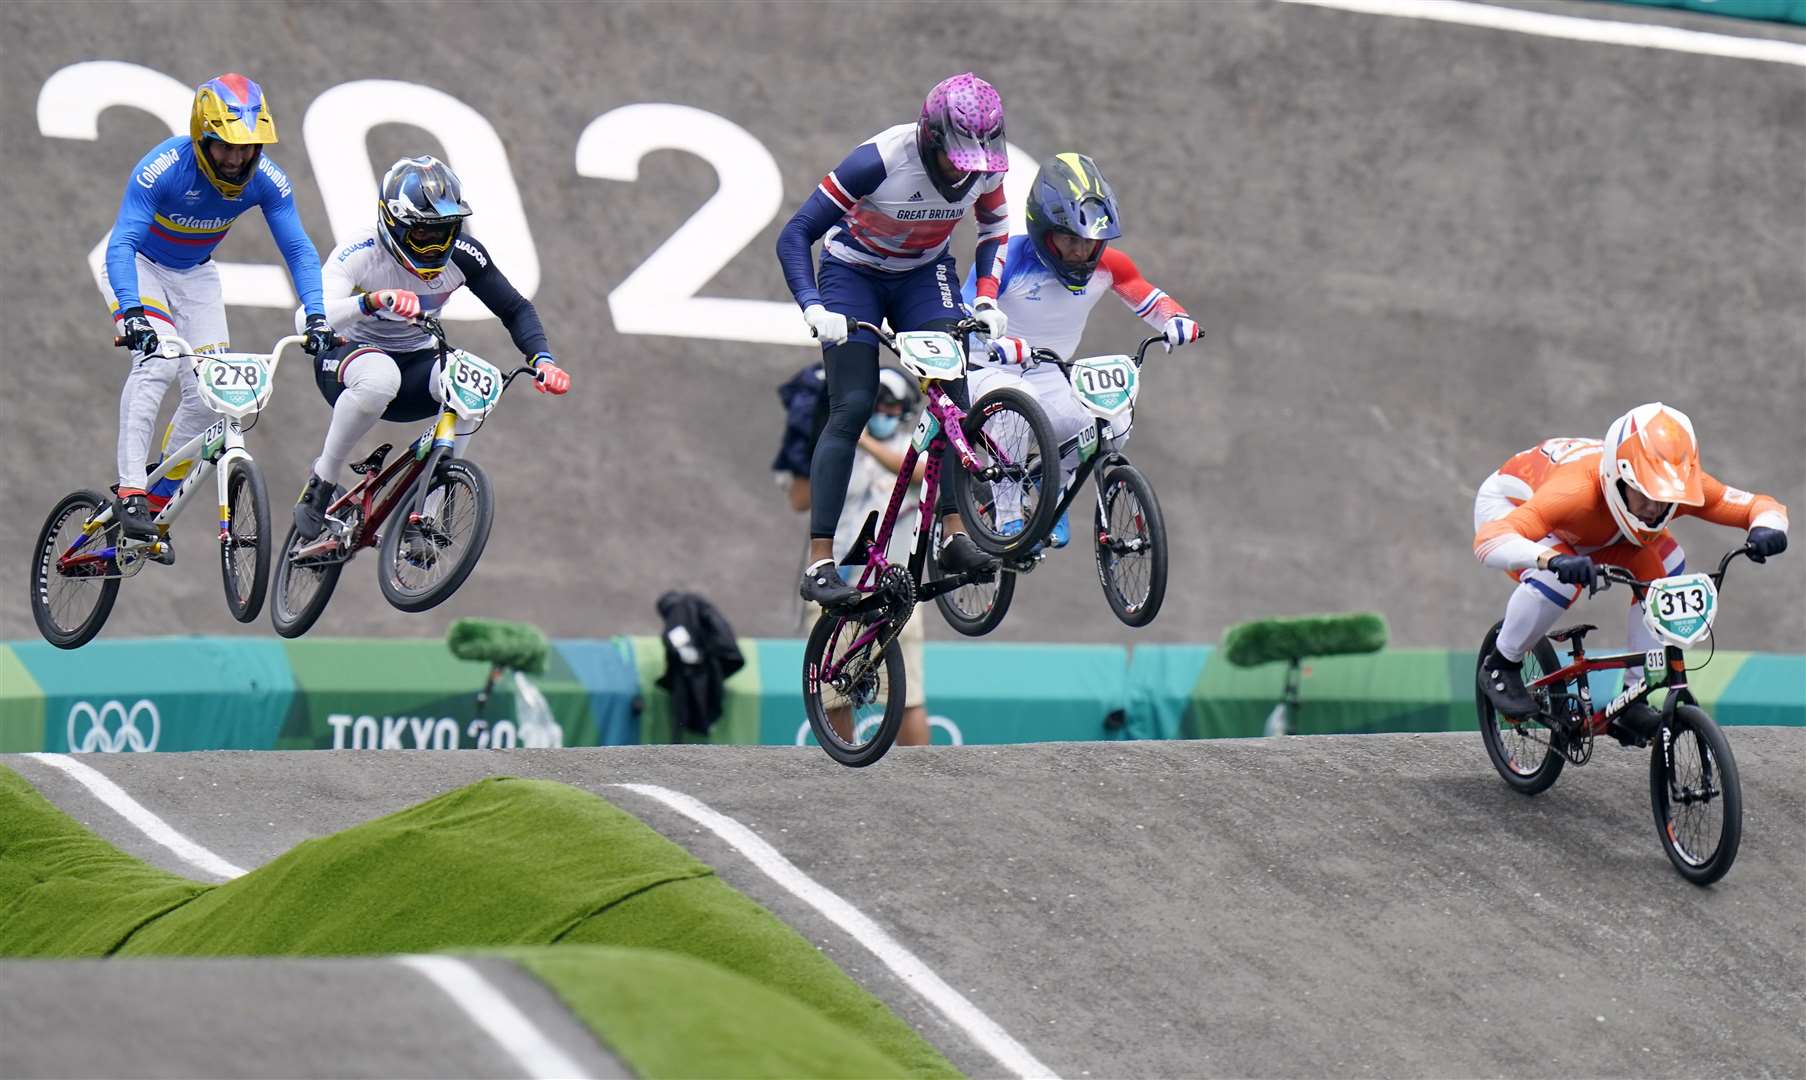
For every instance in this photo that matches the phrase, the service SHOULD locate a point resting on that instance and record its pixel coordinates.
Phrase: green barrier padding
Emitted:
(1395, 690)
(21, 707)
(517, 645)
(605, 668)
(374, 694)
(739, 720)
(669, 1015)
(174, 693)
(1267, 640)
(1793, 11)
(1161, 678)
(65, 892)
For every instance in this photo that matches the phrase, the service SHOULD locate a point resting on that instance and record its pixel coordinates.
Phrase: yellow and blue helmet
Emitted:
(421, 209)
(1070, 195)
(231, 109)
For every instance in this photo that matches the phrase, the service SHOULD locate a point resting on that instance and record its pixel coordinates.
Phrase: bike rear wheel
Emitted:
(857, 712)
(1696, 795)
(1131, 545)
(423, 564)
(1008, 429)
(1524, 751)
(71, 607)
(244, 552)
(302, 589)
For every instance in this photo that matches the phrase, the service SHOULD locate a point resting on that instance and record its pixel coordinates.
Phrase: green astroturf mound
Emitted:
(502, 863)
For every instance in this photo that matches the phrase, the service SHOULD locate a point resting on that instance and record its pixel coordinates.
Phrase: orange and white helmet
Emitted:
(1651, 448)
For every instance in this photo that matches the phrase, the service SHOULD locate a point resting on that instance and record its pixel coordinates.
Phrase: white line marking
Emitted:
(1602, 31)
(143, 820)
(983, 1031)
(495, 1014)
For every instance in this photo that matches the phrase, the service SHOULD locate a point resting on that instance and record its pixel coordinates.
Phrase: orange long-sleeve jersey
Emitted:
(1556, 497)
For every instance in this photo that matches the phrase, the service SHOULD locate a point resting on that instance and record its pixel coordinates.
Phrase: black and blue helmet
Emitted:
(421, 208)
(1070, 195)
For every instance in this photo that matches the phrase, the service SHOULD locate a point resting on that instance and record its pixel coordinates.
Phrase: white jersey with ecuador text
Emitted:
(362, 265)
(902, 222)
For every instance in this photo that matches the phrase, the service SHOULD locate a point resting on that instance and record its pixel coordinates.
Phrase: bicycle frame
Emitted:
(209, 452)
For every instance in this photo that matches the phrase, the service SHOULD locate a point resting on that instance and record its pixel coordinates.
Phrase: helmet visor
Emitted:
(433, 238)
(974, 153)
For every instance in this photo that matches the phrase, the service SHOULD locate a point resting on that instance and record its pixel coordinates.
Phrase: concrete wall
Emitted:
(1417, 248)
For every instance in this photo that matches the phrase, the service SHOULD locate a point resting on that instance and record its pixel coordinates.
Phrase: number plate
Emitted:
(929, 354)
(471, 385)
(926, 429)
(1680, 610)
(1106, 385)
(235, 383)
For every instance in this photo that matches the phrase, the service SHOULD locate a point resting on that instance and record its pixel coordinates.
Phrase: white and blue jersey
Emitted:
(1048, 315)
(173, 215)
(879, 210)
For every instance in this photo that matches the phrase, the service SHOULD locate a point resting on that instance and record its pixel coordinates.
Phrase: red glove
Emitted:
(400, 301)
(551, 379)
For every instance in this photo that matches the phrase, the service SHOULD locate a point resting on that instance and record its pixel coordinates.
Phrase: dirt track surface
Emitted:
(1417, 249)
(1304, 906)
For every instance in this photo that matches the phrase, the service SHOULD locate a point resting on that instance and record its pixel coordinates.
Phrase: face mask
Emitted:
(882, 426)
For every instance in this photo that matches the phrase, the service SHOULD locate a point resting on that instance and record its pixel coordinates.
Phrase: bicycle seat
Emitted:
(1570, 632)
(374, 461)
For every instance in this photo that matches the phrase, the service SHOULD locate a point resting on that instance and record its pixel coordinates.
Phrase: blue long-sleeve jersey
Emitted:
(173, 216)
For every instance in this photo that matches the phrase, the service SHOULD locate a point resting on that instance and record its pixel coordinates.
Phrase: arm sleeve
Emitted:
(136, 209)
(1153, 306)
(341, 296)
(500, 296)
(291, 239)
(993, 218)
(853, 179)
(1739, 509)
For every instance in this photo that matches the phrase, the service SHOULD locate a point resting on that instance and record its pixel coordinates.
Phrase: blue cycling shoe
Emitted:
(1062, 532)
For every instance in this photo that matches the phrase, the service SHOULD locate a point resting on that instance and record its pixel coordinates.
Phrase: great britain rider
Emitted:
(409, 262)
(160, 278)
(884, 217)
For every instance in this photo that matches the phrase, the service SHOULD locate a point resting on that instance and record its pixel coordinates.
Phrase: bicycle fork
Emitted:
(444, 442)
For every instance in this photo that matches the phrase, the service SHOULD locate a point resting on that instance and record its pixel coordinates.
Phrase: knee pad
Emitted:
(373, 379)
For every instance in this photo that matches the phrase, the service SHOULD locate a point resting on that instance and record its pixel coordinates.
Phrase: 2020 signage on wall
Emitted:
(661, 295)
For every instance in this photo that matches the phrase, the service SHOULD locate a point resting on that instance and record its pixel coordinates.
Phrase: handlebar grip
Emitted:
(120, 343)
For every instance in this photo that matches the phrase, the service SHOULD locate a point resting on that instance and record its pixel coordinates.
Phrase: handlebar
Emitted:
(959, 329)
(1609, 574)
(172, 347)
(1048, 356)
(436, 330)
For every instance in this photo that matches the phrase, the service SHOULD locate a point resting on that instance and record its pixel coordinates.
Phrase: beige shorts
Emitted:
(909, 642)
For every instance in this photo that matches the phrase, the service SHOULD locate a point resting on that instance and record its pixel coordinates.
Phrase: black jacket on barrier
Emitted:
(700, 654)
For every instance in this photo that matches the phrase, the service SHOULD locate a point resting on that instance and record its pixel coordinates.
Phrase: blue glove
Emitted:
(1574, 570)
(1765, 542)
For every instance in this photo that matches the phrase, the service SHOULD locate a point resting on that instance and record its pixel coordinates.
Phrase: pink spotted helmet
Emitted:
(963, 116)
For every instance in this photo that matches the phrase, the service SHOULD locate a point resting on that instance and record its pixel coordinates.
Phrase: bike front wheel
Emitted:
(853, 690)
(423, 563)
(1012, 510)
(1131, 546)
(1523, 751)
(244, 549)
(1696, 795)
(976, 609)
(72, 597)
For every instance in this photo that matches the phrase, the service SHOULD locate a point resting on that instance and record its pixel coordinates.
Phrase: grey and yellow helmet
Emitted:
(1070, 195)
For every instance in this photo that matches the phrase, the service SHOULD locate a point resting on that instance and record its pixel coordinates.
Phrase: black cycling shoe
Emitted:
(1637, 724)
(134, 517)
(1503, 684)
(310, 509)
(959, 555)
(822, 585)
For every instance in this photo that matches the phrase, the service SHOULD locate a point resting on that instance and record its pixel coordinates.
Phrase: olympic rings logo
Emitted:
(113, 727)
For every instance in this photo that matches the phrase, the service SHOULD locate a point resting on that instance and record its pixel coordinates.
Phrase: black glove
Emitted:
(1574, 570)
(319, 336)
(1765, 542)
(136, 329)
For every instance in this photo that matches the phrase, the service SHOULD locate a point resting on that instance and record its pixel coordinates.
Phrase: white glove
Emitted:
(827, 326)
(1010, 350)
(1181, 329)
(985, 310)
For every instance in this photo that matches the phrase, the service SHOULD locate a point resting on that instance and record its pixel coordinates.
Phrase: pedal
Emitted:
(163, 551)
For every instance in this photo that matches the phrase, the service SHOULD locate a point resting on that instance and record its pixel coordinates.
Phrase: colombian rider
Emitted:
(885, 216)
(160, 277)
(379, 280)
(1052, 279)
(1553, 513)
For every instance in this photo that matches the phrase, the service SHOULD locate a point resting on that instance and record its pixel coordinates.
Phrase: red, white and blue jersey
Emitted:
(1048, 315)
(880, 210)
(174, 216)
